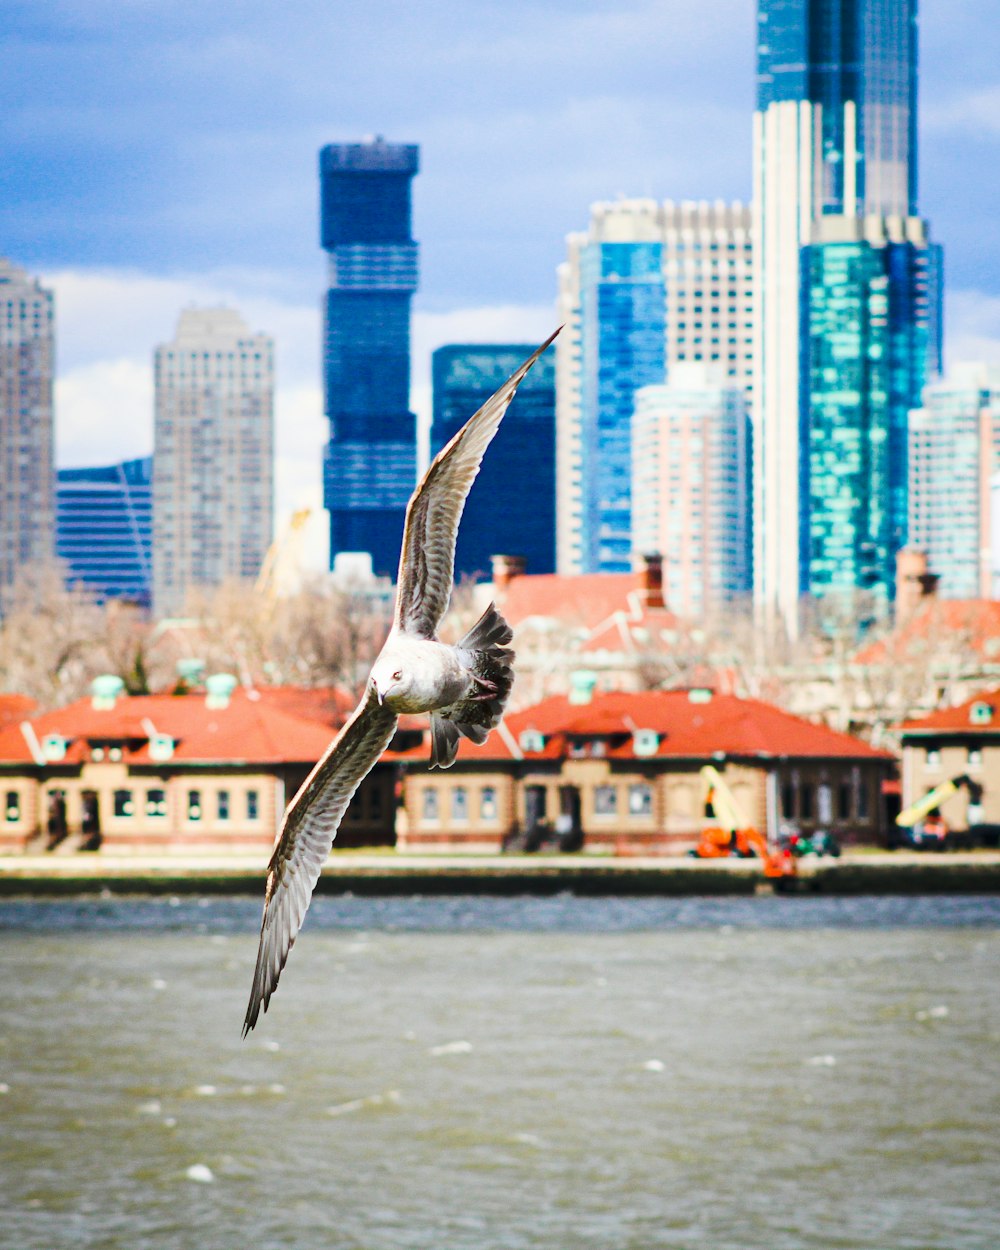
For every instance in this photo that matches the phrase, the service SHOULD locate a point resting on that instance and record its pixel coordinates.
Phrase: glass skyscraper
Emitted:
(370, 461)
(511, 509)
(869, 333)
(104, 529)
(835, 166)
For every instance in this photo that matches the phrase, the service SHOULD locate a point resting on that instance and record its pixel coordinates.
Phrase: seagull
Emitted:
(465, 688)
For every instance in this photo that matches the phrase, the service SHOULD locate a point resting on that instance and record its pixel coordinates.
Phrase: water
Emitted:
(455, 1073)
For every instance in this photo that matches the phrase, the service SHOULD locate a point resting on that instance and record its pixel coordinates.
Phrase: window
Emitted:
(156, 802)
(640, 799)
(122, 805)
(844, 801)
(12, 806)
(975, 757)
(253, 805)
(605, 801)
(222, 805)
(375, 802)
(459, 803)
(933, 757)
(194, 805)
(787, 800)
(488, 803)
(862, 799)
(429, 801)
(806, 801)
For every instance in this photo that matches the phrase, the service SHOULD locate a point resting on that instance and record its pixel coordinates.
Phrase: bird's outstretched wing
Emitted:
(305, 837)
(427, 561)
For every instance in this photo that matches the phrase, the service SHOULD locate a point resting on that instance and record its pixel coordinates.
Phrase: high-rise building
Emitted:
(869, 328)
(104, 529)
(834, 135)
(213, 461)
(954, 460)
(690, 486)
(511, 509)
(649, 285)
(370, 462)
(27, 362)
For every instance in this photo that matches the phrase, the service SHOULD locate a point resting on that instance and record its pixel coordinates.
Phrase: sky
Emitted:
(162, 153)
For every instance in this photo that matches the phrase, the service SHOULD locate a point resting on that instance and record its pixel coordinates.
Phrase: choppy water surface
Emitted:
(456, 1073)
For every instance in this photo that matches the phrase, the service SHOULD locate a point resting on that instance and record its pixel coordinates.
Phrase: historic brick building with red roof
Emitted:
(204, 770)
(622, 771)
(954, 742)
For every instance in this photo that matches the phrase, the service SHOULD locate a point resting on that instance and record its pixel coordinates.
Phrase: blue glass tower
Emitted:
(622, 347)
(369, 466)
(104, 529)
(870, 338)
(512, 507)
(848, 292)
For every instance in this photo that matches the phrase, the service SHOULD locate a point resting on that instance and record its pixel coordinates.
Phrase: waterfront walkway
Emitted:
(391, 873)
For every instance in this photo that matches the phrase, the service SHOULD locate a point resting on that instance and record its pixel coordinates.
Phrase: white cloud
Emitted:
(972, 327)
(976, 112)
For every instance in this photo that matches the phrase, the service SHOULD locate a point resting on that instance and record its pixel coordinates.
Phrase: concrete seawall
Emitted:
(896, 873)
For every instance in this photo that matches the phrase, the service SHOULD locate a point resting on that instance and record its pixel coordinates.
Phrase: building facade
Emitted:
(870, 291)
(27, 365)
(834, 135)
(370, 462)
(954, 457)
(690, 486)
(649, 285)
(213, 458)
(513, 500)
(104, 529)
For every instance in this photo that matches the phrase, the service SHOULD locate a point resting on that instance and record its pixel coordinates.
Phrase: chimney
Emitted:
(104, 691)
(649, 579)
(914, 583)
(505, 569)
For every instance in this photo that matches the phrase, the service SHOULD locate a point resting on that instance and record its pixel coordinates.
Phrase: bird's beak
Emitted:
(380, 694)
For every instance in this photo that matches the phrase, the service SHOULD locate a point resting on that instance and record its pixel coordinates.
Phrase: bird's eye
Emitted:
(398, 676)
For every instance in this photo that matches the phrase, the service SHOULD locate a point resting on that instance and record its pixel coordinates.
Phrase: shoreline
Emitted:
(897, 872)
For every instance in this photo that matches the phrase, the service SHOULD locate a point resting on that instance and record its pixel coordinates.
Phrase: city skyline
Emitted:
(653, 99)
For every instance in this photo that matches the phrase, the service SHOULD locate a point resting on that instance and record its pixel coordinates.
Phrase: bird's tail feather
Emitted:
(484, 649)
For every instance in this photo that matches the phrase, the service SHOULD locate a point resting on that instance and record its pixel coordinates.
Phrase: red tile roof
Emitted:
(249, 730)
(971, 623)
(14, 708)
(586, 600)
(957, 719)
(685, 729)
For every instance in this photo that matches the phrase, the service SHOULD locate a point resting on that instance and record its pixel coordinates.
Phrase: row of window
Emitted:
(824, 803)
(123, 804)
(974, 757)
(640, 802)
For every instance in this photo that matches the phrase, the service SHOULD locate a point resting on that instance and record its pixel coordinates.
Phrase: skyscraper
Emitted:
(27, 362)
(512, 507)
(104, 529)
(954, 457)
(649, 285)
(213, 455)
(690, 485)
(868, 330)
(370, 462)
(834, 136)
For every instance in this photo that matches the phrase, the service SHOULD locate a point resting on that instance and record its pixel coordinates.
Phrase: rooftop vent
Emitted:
(530, 740)
(54, 747)
(981, 713)
(581, 686)
(220, 687)
(645, 742)
(104, 690)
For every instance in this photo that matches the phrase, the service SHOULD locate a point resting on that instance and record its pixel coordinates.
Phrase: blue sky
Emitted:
(157, 152)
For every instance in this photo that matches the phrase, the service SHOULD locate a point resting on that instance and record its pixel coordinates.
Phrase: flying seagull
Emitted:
(464, 687)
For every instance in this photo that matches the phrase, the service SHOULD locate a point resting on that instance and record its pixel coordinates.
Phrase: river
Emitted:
(518, 1073)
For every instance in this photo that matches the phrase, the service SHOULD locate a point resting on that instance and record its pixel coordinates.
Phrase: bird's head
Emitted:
(389, 681)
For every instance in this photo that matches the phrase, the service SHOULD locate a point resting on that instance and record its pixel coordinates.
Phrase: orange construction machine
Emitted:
(732, 835)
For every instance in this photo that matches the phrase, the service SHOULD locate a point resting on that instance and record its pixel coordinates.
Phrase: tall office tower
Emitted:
(27, 362)
(869, 327)
(691, 486)
(649, 285)
(104, 529)
(512, 507)
(834, 135)
(370, 462)
(954, 459)
(213, 455)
